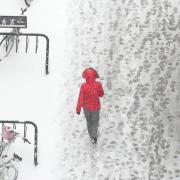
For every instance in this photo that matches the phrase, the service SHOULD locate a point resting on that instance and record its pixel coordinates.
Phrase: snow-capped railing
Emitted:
(6, 36)
(25, 123)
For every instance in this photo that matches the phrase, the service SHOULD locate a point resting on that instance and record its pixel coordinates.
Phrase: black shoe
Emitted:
(94, 140)
(91, 138)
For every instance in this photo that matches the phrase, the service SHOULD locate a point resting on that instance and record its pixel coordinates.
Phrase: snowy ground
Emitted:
(28, 94)
(125, 150)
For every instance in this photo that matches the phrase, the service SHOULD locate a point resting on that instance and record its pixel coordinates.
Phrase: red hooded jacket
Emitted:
(90, 91)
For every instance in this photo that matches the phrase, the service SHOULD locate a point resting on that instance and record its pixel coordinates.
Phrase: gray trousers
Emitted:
(92, 119)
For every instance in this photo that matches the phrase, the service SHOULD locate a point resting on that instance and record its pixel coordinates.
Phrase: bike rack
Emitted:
(25, 129)
(18, 34)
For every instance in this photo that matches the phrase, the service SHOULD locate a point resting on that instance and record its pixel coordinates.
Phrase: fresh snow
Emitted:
(27, 94)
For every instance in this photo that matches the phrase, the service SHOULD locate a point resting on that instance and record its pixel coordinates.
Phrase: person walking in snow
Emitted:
(89, 94)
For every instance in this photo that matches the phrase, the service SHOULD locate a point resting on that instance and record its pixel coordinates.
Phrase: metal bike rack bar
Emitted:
(6, 34)
(35, 134)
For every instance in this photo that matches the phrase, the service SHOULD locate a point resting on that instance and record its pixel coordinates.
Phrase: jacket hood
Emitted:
(90, 74)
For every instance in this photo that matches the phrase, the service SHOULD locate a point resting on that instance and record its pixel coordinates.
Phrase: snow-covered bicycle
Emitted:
(8, 171)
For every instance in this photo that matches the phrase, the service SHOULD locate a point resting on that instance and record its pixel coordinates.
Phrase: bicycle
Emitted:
(8, 170)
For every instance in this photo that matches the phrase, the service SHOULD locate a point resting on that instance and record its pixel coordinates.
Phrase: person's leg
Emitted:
(95, 123)
(87, 114)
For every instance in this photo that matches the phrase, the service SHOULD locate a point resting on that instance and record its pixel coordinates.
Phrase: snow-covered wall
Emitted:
(135, 47)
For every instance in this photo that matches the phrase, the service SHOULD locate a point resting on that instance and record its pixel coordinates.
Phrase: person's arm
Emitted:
(101, 91)
(80, 100)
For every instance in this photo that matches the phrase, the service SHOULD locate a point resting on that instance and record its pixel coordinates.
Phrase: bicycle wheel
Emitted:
(2, 175)
(11, 172)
